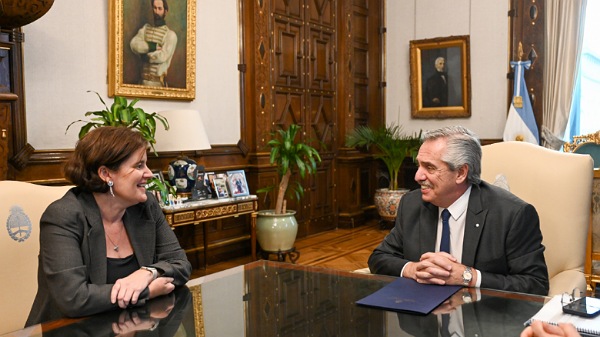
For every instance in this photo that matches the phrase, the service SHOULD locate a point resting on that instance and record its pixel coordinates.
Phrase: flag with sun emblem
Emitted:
(520, 124)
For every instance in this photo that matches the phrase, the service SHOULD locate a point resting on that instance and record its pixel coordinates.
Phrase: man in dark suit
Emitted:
(436, 87)
(492, 240)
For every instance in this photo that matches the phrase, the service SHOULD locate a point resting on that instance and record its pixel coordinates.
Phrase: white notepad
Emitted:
(552, 313)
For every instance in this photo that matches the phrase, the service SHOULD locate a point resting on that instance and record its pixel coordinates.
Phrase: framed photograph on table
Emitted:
(152, 49)
(440, 79)
(157, 174)
(236, 180)
(221, 188)
(210, 185)
(201, 190)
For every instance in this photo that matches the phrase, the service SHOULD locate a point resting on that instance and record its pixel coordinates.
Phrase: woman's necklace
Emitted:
(115, 245)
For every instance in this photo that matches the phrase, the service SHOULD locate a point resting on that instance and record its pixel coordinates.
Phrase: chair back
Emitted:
(586, 144)
(22, 205)
(559, 186)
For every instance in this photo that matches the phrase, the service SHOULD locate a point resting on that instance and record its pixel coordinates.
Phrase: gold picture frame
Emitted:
(428, 85)
(130, 73)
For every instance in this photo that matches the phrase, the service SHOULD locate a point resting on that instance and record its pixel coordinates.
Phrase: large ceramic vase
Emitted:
(387, 202)
(276, 232)
(182, 174)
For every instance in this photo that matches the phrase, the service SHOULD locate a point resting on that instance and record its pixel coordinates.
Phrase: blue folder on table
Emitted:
(407, 295)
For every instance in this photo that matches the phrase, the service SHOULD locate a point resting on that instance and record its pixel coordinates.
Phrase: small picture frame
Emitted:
(200, 190)
(209, 178)
(221, 188)
(158, 175)
(236, 180)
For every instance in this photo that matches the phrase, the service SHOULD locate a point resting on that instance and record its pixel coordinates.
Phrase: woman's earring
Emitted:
(110, 185)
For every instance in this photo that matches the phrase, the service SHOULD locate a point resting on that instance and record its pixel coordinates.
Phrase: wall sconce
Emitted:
(186, 133)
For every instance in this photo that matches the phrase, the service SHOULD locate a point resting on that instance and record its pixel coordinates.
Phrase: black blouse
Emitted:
(117, 268)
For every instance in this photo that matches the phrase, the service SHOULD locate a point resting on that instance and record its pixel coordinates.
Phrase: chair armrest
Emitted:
(567, 280)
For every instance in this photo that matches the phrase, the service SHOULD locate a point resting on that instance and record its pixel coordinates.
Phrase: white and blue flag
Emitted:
(520, 124)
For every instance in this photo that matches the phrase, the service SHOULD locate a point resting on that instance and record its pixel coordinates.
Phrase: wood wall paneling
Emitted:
(361, 102)
(5, 127)
(293, 66)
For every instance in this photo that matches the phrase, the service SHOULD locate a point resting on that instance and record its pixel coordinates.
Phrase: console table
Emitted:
(202, 211)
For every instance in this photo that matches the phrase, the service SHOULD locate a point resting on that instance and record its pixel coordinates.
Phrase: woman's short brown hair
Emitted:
(104, 146)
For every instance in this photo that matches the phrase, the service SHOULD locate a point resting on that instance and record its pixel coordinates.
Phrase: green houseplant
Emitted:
(276, 229)
(163, 188)
(290, 155)
(392, 147)
(122, 113)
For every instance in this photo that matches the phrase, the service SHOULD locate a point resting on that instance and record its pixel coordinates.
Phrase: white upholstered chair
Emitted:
(559, 186)
(21, 206)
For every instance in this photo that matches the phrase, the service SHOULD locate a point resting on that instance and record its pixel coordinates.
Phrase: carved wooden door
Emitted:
(4, 132)
(316, 63)
(295, 70)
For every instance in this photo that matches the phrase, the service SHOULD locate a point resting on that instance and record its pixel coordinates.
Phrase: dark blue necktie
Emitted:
(445, 242)
(444, 329)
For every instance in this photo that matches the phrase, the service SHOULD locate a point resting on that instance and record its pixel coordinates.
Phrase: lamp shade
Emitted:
(186, 132)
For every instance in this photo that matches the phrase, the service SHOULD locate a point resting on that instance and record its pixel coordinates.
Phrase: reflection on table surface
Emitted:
(267, 298)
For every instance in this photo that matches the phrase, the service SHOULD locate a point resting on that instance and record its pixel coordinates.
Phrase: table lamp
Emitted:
(186, 133)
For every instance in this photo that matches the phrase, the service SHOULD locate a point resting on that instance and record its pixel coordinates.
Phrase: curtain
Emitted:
(564, 36)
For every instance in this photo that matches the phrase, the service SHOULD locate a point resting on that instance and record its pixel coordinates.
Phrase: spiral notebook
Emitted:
(552, 313)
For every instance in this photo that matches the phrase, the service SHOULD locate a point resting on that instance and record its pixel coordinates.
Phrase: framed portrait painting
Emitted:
(440, 80)
(152, 49)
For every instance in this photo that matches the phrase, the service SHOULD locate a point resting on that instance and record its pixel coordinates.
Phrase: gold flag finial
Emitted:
(520, 52)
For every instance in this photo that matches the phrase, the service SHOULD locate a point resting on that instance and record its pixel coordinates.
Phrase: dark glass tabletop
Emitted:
(267, 298)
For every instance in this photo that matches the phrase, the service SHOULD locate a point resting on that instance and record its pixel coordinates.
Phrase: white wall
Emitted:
(66, 55)
(486, 22)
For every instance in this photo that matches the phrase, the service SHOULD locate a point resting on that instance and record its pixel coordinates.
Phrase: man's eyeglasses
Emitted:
(570, 297)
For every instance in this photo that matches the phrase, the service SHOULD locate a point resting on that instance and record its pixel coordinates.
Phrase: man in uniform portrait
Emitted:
(155, 44)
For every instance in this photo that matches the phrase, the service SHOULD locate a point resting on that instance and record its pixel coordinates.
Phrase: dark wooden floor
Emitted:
(341, 249)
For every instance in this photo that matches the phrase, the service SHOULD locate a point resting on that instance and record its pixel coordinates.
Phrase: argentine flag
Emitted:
(520, 124)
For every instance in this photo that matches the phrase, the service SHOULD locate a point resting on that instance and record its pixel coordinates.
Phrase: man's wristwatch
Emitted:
(467, 276)
(466, 297)
(152, 270)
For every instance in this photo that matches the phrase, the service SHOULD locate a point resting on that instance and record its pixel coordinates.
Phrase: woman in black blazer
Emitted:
(105, 244)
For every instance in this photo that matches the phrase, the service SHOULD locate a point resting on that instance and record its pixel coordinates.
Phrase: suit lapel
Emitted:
(475, 221)
(96, 240)
(141, 234)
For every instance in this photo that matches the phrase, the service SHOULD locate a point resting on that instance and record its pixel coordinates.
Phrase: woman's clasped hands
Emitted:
(126, 291)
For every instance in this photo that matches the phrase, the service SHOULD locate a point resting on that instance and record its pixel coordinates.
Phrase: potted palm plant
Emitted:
(276, 229)
(393, 147)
